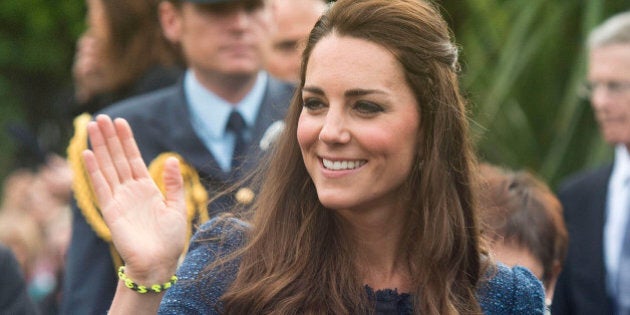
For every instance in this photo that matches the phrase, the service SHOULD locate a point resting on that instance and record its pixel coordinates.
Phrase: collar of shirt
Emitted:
(617, 211)
(620, 176)
(210, 114)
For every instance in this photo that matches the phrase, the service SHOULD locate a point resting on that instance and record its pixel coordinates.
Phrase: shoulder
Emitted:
(279, 86)
(584, 191)
(147, 104)
(511, 291)
(157, 77)
(584, 181)
(222, 231)
(278, 92)
(199, 289)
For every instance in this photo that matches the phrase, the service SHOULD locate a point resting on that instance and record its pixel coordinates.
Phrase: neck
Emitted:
(232, 88)
(378, 240)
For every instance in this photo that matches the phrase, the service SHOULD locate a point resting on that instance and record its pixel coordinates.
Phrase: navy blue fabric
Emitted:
(508, 290)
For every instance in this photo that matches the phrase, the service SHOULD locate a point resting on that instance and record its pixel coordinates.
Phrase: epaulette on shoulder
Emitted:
(196, 195)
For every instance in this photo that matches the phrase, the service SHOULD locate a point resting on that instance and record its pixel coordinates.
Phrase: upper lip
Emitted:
(335, 159)
(342, 160)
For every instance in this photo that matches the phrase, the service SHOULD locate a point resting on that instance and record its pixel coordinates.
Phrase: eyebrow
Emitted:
(348, 93)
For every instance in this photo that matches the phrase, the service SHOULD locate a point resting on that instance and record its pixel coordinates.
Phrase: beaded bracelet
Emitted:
(156, 288)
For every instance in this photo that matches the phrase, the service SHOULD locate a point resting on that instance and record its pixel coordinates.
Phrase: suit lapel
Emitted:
(272, 109)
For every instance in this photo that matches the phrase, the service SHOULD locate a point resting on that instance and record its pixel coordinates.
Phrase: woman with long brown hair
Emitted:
(122, 53)
(365, 206)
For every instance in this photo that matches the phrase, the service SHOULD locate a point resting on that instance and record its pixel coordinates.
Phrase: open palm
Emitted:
(148, 228)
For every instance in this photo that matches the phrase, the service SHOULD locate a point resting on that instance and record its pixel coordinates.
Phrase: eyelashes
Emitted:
(361, 106)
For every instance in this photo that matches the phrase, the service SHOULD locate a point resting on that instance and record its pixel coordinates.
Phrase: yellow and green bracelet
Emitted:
(156, 288)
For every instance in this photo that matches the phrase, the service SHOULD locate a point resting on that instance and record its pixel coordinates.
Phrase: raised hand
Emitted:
(148, 228)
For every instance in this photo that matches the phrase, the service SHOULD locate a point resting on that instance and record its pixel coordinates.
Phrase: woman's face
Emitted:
(359, 125)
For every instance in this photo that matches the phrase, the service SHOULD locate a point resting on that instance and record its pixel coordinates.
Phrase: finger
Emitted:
(114, 146)
(125, 134)
(174, 185)
(99, 183)
(101, 153)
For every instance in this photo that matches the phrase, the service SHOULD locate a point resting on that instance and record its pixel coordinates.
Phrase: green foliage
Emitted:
(36, 50)
(523, 62)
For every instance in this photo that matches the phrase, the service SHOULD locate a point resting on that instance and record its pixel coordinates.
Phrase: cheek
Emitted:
(402, 142)
(307, 132)
(397, 144)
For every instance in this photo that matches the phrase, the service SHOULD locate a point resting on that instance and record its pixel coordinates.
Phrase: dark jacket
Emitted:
(581, 288)
(14, 298)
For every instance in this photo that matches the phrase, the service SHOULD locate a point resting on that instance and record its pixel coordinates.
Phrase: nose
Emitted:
(335, 128)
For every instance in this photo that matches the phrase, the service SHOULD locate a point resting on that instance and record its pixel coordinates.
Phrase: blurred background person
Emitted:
(522, 221)
(122, 53)
(20, 233)
(596, 275)
(35, 225)
(292, 21)
(13, 296)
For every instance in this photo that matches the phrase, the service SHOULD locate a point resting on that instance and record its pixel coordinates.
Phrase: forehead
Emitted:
(297, 13)
(610, 62)
(354, 61)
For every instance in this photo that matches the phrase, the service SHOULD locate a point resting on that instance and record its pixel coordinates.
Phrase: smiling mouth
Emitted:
(342, 165)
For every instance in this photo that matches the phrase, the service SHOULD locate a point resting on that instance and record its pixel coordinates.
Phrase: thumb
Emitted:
(174, 185)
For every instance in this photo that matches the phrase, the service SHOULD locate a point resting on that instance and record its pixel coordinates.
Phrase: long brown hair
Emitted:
(136, 41)
(297, 258)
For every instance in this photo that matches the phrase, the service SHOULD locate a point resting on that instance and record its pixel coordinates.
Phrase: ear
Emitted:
(171, 21)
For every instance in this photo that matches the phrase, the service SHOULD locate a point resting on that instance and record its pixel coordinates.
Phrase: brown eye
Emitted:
(367, 107)
(313, 103)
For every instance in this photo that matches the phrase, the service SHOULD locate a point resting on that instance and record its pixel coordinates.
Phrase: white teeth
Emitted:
(342, 165)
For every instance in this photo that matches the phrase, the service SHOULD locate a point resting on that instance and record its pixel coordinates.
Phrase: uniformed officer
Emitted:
(213, 121)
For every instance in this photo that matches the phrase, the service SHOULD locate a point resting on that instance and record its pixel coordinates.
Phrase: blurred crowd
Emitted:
(35, 225)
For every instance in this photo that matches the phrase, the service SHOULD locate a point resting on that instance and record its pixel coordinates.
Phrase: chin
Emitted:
(242, 66)
(334, 202)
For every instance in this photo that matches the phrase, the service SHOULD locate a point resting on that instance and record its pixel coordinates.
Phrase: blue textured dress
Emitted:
(509, 291)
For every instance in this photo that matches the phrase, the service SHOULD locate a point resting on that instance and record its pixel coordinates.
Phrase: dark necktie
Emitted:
(236, 124)
(623, 275)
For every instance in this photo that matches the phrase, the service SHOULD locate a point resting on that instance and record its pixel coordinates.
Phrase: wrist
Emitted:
(144, 285)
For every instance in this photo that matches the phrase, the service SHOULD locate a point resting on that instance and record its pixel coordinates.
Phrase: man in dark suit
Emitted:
(195, 119)
(597, 203)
